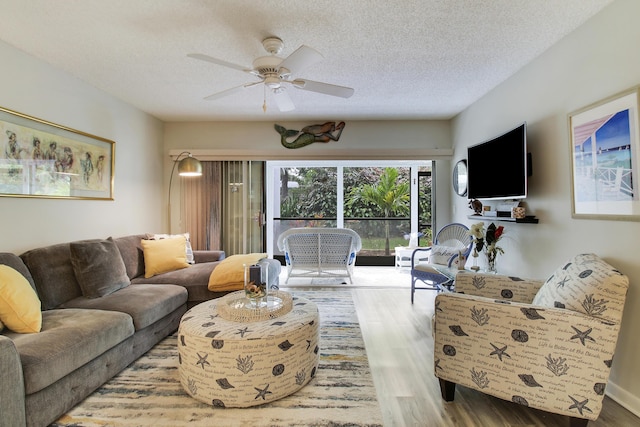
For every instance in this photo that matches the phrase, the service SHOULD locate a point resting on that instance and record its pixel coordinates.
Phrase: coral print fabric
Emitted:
(550, 358)
(586, 284)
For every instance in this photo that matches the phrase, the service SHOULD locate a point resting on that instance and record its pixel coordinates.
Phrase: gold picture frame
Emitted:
(42, 159)
(605, 158)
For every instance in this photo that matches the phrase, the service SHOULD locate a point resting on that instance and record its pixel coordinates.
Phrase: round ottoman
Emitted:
(231, 363)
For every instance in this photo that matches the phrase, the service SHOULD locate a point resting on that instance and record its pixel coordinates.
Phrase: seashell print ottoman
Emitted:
(266, 355)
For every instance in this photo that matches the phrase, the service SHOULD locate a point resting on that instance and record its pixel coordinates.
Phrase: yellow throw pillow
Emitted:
(164, 255)
(19, 303)
(229, 274)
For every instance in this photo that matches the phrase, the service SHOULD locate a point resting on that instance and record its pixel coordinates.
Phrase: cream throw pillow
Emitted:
(19, 303)
(229, 274)
(441, 254)
(164, 255)
(586, 284)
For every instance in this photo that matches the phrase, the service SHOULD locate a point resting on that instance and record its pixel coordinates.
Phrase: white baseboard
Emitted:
(624, 398)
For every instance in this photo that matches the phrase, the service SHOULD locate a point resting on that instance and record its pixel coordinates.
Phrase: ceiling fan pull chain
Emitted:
(264, 104)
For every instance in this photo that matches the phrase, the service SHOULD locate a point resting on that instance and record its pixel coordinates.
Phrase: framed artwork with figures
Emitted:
(42, 159)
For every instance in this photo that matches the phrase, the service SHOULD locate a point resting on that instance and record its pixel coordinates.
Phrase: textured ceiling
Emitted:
(407, 59)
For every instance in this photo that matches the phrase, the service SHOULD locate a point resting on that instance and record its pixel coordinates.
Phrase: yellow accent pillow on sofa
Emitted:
(229, 274)
(164, 255)
(19, 303)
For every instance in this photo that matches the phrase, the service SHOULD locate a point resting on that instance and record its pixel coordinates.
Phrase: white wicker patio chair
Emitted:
(319, 252)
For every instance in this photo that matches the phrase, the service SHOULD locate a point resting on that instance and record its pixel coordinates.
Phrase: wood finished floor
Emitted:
(398, 340)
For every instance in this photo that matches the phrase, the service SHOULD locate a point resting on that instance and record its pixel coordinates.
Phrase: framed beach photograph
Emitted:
(605, 157)
(43, 159)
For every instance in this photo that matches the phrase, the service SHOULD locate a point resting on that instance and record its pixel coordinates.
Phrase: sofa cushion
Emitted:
(53, 275)
(146, 304)
(98, 267)
(194, 279)
(130, 248)
(19, 303)
(69, 339)
(586, 284)
(15, 262)
(164, 255)
(229, 274)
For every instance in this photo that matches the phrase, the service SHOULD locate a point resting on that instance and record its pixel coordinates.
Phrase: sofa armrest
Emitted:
(208, 256)
(552, 359)
(12, 385)
(497, 286)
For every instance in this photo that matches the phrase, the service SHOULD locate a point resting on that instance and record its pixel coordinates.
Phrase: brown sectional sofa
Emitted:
(86, 341)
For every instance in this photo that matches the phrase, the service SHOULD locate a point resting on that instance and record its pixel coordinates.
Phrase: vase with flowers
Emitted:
(487, 241)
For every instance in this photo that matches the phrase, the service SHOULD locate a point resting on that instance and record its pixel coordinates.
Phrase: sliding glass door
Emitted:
(378, 200)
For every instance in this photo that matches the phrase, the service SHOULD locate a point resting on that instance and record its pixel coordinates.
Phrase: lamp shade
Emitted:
(189, 166)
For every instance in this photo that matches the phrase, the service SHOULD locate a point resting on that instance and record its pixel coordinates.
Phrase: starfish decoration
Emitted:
(499, 352)
(243, 331)
(580, 406)
(202, 360)
(262, 392)
(562, 282)
(582, 335)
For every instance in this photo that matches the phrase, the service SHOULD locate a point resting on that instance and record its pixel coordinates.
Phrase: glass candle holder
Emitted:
(255, 284)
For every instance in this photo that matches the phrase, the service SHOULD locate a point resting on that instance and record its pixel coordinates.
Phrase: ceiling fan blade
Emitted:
(301, 58)
(326, 88)
(230, 91)
(219, 62)
(283, 100)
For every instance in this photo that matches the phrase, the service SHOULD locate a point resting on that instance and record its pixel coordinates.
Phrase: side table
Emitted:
(229, 363)
(403, 255)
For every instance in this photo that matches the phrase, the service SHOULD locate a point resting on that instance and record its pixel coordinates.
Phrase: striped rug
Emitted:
(148, 393)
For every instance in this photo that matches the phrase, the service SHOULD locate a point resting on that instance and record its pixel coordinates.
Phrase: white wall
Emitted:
(32, 87)
(598, 60)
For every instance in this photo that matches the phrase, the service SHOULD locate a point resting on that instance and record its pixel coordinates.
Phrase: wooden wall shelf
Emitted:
(525, 220)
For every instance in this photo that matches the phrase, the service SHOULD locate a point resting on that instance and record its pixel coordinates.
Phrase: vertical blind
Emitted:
(224, 209)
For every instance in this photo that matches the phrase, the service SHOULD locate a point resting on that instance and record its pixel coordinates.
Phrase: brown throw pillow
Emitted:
(98, 267)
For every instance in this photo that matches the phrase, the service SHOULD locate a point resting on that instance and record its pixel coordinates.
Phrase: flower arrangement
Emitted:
(488, 241)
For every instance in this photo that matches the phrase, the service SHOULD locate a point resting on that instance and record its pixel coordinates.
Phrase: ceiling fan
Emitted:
(276, 72)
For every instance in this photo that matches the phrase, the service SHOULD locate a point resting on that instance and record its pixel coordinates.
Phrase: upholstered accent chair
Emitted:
(547, 345)
(450, 242)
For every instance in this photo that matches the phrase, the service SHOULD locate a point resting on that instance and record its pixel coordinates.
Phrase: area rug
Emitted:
(148, 393)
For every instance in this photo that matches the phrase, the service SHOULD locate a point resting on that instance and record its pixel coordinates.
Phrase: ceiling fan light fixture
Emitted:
(273, 82)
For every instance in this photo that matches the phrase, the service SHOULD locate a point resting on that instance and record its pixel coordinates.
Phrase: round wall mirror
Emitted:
(460, 178)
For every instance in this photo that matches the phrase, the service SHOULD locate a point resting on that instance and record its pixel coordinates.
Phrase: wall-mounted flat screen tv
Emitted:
(498, 168)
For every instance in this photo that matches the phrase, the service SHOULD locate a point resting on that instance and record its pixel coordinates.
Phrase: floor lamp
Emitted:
(188, 166)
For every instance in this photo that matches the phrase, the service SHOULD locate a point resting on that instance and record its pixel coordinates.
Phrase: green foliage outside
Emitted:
(375, 193)
(388, 197)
